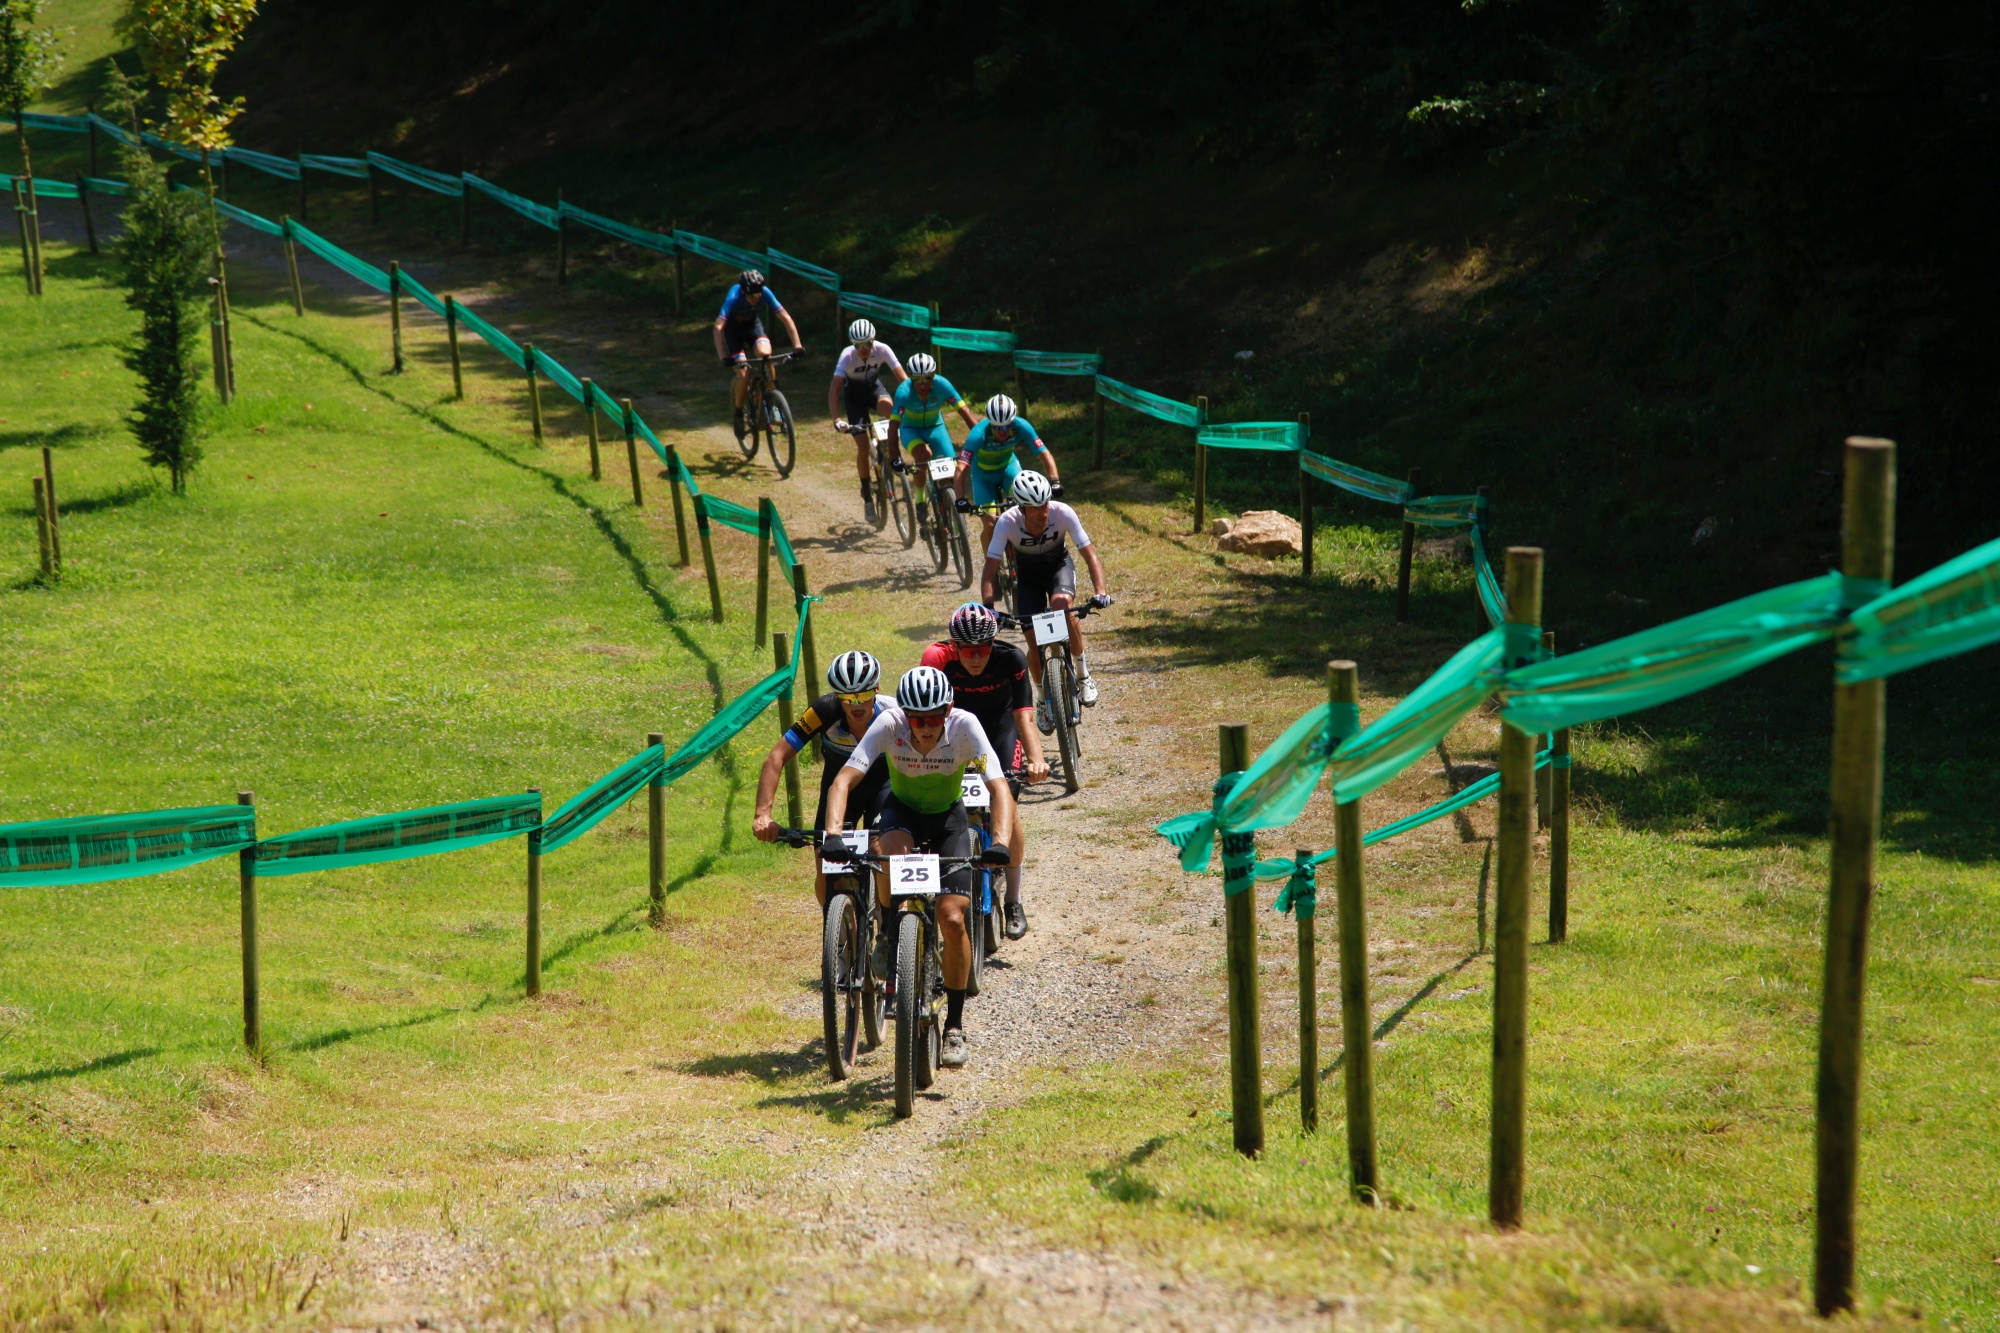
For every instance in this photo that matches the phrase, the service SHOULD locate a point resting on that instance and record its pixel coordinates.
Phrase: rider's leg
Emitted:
(741, 390)
(893, 842)
(764, 349)
(951, 910)
(1017, 851)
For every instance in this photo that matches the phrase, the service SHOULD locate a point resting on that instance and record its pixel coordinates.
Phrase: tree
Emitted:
(183, 43)
(28, 63)
(164, 255)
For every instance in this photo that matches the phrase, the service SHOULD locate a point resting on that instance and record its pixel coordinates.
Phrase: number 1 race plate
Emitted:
(943, 469)
(857, 842)
(972, 791)
(914, 877)
(1051, 627)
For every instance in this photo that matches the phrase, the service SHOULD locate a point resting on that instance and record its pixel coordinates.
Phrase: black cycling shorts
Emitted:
(1035, 581)
(864, 802)
(1006, 738)
(859, 401)
(740, 338)
(943, 834)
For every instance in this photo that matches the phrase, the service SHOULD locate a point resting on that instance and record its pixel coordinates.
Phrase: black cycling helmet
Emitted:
(751, 280)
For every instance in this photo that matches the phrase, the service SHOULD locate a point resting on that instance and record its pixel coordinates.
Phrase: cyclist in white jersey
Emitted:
(858, 388)
(1039, 529)
(929, 745)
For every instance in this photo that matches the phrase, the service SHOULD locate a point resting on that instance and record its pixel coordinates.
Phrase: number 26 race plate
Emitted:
(972, 790)
(914, 876)
(1051, 627)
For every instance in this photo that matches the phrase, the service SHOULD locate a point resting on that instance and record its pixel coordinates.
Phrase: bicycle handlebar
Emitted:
(1097, 603)
(996, 855)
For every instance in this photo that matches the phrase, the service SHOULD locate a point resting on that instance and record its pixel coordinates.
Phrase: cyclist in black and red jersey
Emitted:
(989, 679)
(837, 719)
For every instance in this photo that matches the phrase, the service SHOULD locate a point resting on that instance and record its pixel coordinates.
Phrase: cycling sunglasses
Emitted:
(927, 719)
(856, 700)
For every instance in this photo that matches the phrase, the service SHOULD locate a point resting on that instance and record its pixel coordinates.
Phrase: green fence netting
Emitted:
(44, 187)
(241, 215)
(99, 185)
(895, 312)
(819, 277)
(1272, 791)
(1445, 511)
(591, 806)
(152, 140)
(975, 340)
(1953, 609)
(539, 214)
(35, 120)
(1152, 404)
(1059, 363)
(422, 176)
(742, 711)
(398, 837)
(1484, 581)
(639, 236)
(722, 252)
(493, 337)
(353, 267)
(284, 168)
(1276, 436)
(1358, 480)
(334, 166)
(117, 132)
(91, 848)
(559, 374)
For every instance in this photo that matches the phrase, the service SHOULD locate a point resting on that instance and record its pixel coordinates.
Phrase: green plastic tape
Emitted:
(401, 836)
(92, 848)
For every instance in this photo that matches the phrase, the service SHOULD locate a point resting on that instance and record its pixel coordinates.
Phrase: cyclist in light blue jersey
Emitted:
(990, 446)
(917, 418)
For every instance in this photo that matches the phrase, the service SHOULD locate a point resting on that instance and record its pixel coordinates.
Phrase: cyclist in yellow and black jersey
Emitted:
(837, 720)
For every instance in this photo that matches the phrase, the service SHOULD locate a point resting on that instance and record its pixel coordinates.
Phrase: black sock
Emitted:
(954, 1009)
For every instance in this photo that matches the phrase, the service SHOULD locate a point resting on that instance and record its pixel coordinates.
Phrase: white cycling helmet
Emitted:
(1000, 409)
(861, 331)
(923, 690)
(854, 672)
(922, 363)
(1032, 488)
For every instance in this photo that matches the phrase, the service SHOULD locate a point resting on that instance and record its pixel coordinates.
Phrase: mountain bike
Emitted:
(767, 416)
(1049, 631)
(914, 884)
(990, 909)
(853, 1000)
(944, 530)
(890, 485)
(1003, 578)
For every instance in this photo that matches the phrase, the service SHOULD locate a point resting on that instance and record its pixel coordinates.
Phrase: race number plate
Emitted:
(1051, 627)
(879, 429)
(914, 877)
(943, 469)
(973, 792)
(857, 842)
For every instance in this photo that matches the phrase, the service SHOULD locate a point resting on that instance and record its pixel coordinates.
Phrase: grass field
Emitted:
(374, 599)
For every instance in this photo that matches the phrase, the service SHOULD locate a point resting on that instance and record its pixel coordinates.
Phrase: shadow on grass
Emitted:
(1117, 1183)
(767, 1067)
(74, 432)
(843, 1102)
(337, 1036)
(129, 493)
(97, 1066)
(622, 924)
(1388, 1024)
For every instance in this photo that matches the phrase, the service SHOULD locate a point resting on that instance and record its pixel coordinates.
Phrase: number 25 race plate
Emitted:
(1051, 627)
(854, 842)
(972, 791)
(914, 876)
(943, 469)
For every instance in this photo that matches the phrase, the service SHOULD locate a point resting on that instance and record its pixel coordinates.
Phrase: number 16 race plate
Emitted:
(943, 469)
(1051, 627)
(857, 842)
(914, 877)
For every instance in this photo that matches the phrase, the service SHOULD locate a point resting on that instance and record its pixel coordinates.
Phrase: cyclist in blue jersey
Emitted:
(990, 447)
(917, 418)
(739, 333)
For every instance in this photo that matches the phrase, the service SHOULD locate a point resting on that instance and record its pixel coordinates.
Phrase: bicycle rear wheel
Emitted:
(930, 1047)
(840, 972)
(753, 421)
(935, 540)
(975, 936)
(779, 436)
(906, 509)
(880, 484)
(1062, 690)
(961, 546)
(874, 989)
(912, 1004)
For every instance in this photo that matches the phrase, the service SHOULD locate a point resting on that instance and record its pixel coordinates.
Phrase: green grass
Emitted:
(387, 600)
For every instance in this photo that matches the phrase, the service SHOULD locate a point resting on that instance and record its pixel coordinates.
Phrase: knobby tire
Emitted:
(753, 420)
(912, 1007)
(779, 421)
(906, 509)
(961, 547)
(1060, 695)
(841, 966)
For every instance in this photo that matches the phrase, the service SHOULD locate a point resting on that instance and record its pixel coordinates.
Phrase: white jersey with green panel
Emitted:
(927, 783)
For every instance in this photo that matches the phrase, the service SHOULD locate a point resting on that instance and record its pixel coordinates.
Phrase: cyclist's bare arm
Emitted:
(798, 343)
(1003, 802)
(721, 347)
(965, 415)
(833, 396)
(761, 823)
(988, 577)
(1046, 457)
(1031, 744)
(836, 797)
(1097, 582)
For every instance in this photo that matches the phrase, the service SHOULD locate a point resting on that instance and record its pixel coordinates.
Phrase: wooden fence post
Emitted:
(292, 269)
(1097, 420)
(763, 568)
(1200, 468)
(674, 484)
(1559, 839)
(1308, 1015)
(42, 529)
(1507, 1163)
(83, 199)
(656, 840)
(1408, 553)
(1343, 682)
(809, 651)
(590, 427)
(1545, 778)
(451, 336)
(781, 646)
(1246, 1039)
(246, 898)
(27, 257)
(34, 219)
(54, 507)
(534, 389)
(708, 558)
(631, 421)
(396, 317)
(534, 970)
(1305, 503)
(1868, 541)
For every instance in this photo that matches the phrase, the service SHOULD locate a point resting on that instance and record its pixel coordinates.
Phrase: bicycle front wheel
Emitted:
(1062, 690)
(840, 974)
(961, 546)
(874, 989)
(975, 934)
(881, 487)
(912, 1007)
(935, 539)
(753, 422)
(779, 436)
(905, 507)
